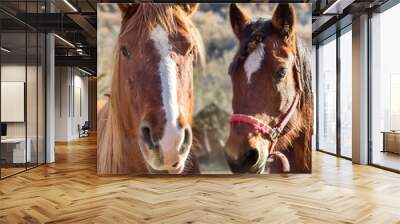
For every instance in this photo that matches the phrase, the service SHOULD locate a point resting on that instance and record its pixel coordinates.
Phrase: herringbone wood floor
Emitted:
(70, 192)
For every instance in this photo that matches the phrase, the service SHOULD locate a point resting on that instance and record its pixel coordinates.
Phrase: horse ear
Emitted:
(284, 20)
(189, 8)
(238, 19)
(127, 9)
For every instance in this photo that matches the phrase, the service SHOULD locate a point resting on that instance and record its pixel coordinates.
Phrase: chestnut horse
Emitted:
(271, 128)
(146, 126)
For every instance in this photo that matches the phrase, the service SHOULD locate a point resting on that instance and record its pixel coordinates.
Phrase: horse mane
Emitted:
(307, 102)
(303, 128)
(169, 16)
(303, 55)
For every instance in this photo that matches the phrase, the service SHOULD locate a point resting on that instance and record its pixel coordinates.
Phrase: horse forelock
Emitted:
(170, 17)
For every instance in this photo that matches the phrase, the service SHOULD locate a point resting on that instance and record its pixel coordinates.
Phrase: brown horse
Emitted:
(146, 126)
(272, 99)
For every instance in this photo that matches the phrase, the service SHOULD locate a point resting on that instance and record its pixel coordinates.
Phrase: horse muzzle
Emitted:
(246, 155)
(248, 163)
(165, 158)
(256, 161)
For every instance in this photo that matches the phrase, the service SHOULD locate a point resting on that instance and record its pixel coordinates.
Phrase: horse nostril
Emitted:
(147, 139)
(187, 136)
(250, 157)
(175, 164)
(245, 162)
(187, 140)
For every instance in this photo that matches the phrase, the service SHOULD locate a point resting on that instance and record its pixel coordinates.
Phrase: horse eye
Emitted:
(282, 73)
(125, 52)
(191, 51)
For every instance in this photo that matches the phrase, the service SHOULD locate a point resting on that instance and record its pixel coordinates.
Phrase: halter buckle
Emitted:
(275, 134)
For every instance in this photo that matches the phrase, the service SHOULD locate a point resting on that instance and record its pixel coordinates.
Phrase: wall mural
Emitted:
(210, 88)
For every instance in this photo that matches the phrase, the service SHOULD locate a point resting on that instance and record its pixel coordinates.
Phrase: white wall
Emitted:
(71, 94)
(13, 73)
(12, 101)
(80, 89)
(33, 126)
(61, 103)
(16, 73)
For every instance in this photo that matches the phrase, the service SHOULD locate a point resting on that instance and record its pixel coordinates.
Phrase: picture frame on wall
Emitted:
(204, 88)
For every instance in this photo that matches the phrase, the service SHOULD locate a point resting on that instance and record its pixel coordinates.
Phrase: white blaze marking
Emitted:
(173, 136)
(253, 61)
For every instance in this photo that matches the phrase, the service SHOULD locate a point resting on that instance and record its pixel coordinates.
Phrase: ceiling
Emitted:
(332, 15)
(75, 22)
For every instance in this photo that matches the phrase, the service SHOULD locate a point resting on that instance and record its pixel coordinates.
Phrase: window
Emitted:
(327, 96)
(385, 89)
(314, 90)
(22, 78)
(346, 93)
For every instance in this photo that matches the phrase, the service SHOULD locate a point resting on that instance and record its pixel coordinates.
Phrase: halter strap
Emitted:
(282, 158)
(273, 133)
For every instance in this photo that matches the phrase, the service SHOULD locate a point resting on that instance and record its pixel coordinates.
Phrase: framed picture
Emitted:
(204, 88)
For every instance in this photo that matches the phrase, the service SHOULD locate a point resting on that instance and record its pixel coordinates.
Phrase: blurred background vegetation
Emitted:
(211, 83)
